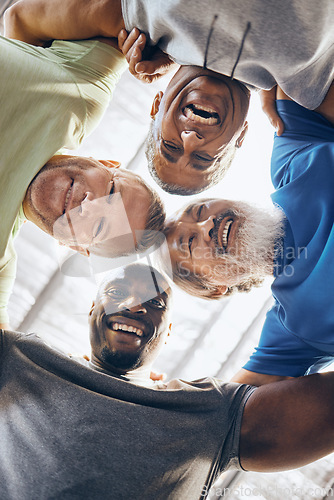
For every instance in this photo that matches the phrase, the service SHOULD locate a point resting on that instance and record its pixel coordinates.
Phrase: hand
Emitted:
(146, 63)
(157, 376)
(268, 103)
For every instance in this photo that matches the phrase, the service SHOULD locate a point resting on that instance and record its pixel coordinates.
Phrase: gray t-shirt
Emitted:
(288, 42)
(71, 432)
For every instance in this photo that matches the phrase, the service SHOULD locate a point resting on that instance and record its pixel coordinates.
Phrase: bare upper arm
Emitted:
(252, 378)
(288, 424)
(36, 21)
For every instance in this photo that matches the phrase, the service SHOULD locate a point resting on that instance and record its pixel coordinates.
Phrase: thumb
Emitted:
(153, 67)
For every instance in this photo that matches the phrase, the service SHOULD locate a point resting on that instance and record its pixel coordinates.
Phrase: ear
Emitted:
(156, 104)
(83, 251)
(110, 163)
(220, 290)
(240, 140)
(91, 309)
(169, 331)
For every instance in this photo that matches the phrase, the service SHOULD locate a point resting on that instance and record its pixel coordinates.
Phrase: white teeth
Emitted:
(225, 232)
(189, 113)
(203, 108)
(126, 328)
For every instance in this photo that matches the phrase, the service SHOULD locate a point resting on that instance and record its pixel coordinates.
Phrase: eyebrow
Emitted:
(189, 209)
(116, 281)
(167, 156)
(196, 166)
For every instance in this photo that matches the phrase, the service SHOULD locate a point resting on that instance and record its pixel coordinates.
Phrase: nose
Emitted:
(133, 305)
(205, 227)
(86, 205)
(190, 139)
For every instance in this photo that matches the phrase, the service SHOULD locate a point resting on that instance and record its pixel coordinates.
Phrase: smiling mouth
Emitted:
(201, 114)
(126, 328)
(226, 232)
(68, 196)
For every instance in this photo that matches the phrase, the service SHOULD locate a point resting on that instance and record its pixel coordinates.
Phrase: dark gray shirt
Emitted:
(71, 432)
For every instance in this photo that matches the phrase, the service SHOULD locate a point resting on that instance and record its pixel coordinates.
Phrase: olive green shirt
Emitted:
(50, 98)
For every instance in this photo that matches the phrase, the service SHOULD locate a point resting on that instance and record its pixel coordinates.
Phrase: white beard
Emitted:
(258, 240)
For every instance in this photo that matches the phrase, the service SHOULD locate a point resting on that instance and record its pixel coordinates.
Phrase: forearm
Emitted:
(288, 424)
(37, 21)
(326, 108)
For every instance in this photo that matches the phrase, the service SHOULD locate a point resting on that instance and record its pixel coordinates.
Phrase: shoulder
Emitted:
(88, 55)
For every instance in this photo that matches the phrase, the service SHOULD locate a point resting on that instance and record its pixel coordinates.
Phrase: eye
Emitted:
(191, 239)
(204, 158)
(111, 192)
(115, 293)
(199, 211)
(170, 146)
(99, 228)
(157, 302)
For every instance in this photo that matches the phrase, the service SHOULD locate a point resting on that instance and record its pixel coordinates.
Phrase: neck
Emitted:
(138, 376)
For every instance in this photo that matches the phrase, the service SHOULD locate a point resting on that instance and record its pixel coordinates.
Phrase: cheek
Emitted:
(97, 178)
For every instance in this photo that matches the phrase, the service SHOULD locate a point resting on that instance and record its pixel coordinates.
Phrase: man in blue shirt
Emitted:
(297, 336)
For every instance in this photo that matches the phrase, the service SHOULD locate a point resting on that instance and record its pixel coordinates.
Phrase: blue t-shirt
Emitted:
(298, 334)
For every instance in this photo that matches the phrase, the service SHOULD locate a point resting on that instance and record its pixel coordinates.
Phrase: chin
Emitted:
(124, 361)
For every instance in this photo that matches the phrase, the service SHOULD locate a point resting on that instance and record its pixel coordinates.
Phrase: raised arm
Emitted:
(288, 424)
(38, 21)
(326, 108)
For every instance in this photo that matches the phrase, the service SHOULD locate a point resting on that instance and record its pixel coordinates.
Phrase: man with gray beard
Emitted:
(219, 246)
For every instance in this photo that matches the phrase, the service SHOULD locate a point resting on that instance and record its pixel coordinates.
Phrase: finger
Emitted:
(133, 60)
(279, 127)
(273, 117)
(149, 67)
(157, 376)
(134, 38)
(122, 36)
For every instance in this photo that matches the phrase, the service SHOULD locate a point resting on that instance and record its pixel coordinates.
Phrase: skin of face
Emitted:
(130, 299)
(187, 146)
(200, 235)
(83, 202)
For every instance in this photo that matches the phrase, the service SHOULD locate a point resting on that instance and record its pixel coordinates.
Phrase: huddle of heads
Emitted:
(215, 246)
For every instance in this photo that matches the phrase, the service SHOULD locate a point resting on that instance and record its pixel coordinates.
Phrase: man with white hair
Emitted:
(218, 246)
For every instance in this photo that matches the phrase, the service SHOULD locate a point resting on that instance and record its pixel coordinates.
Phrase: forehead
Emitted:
(208, 206)
(141, 281)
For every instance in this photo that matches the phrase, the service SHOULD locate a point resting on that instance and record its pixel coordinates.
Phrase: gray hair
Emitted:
(200, 286)
(154, 223)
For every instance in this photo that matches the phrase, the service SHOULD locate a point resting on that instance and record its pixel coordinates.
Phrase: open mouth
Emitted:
(68, 196)
(225, 232)
(201, 114)
(116, 326)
